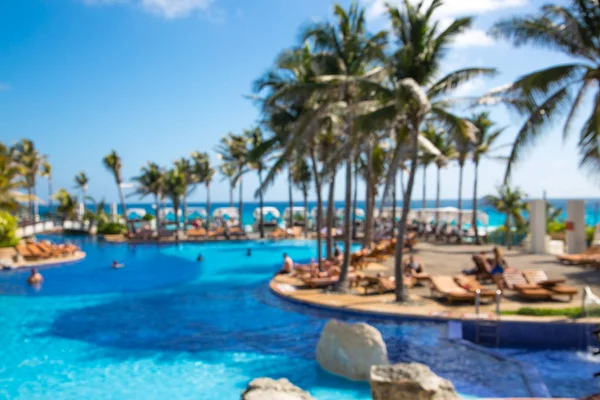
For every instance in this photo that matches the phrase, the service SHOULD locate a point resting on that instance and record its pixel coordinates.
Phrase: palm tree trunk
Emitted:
(343, 281)
(207, 206)
(260, 197)
(401, 293)
(460, 182)
(319, 204)
(31, 215)
(474, 222)
(305, 194)
(241, 211)
(185, 210)
(367, 239)
(177, 222)
(437, 196)
(50, 193)
(291, 200)
(354, 203)
(330, 217)
(424, 200)
(231, 187)
(124, 206)
(507, 234)
(157, 210)
(393, 205)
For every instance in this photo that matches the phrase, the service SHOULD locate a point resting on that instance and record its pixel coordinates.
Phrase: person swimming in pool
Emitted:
(199, 258)
(249, 252)
(117, 265)
(35, 278)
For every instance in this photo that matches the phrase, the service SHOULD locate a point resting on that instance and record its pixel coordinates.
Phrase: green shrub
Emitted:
(571, 312)
(112, 228)
(8, 230)
(556, 227)
(148, 217)
(589, 234)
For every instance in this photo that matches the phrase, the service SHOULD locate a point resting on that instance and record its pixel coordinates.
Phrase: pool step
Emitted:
(487, 332)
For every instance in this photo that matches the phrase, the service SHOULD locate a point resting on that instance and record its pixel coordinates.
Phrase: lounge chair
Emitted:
(471, 284)
(483, 268)
(590, 256)
(297, 232)
(278, 233)
(446, 287)
(35, 251)
(235, 232)
(218, 232)
(24, 252)
(50, 249)
(357, 260)
(197, 233)
(556, 286)
(514, 280)
(382, 284)
(323, 282)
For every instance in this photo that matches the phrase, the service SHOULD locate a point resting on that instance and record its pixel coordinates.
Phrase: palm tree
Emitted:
(443, 143)
(67, 204)
(46, 172)
(544, 95)
(302, 177)
(232, 149)
(205, 175)
(81, 182)
(484, 140)
(30, 162)
(509, 202)
(429, 133)
(405, 105)
(10, 180)
(255, 157)
(185, 167)
(151, 181)
(112, 162)
(327, 143)
(347, 45)
(463, 148)
(175, 187)
(229, 171)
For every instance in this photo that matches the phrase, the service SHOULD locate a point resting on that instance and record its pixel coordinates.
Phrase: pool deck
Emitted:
(442, 259)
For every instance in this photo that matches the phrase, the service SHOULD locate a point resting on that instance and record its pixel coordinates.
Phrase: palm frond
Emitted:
(454, 79)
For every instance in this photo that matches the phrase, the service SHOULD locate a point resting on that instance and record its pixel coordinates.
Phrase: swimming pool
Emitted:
(166, 326)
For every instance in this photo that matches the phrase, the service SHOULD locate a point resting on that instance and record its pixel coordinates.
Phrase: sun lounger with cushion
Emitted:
(445, 286)
(591, 255)
(515, 280)
(556, 286)
(471, 284)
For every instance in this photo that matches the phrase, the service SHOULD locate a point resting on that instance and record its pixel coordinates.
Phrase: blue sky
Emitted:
(158, 79)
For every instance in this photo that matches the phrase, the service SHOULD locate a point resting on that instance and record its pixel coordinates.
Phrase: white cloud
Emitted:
(169, 9)
(4, 86)
(450, 8)
(473, 37)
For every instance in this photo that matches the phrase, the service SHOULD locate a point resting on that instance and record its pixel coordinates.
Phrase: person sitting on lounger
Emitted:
(35, 278)
(288, 265)
(498, 271)
(413, 266)
(117, 265)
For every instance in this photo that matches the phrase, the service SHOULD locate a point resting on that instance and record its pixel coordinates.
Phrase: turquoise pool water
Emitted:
(166, 326)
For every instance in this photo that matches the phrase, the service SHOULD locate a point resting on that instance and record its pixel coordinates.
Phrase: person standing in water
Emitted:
(35, 278)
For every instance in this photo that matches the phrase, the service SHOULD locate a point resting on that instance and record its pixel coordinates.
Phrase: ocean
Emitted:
(495, 218)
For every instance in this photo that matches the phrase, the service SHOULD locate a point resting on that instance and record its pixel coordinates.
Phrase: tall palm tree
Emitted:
(81, 182)
(30, 162)
(112, 162)
(46, 172)
(347, 44)
(511, 203)
(463, 148)
(229, 172)
(10, 180)
(256, 156)
(414, 93)
(205, 175)
(175, 187)
(442, 141)
(302, 178)
(67, 204)
(485, 137)
(151, 181)
(544, 95)
(430, 133)
(185, 167)
(327, 143)
(232, 149)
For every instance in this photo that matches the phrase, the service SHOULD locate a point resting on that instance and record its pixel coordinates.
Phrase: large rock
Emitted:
(271, 389)
(410, 381)
(350, 350)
